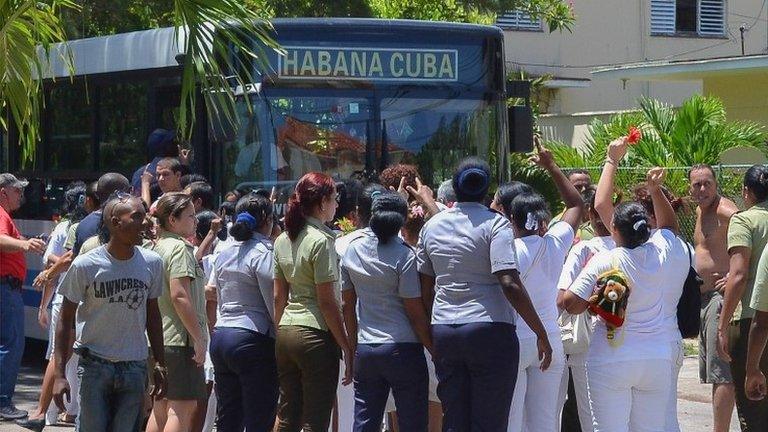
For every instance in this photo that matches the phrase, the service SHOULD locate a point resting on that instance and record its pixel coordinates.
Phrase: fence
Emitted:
(729, 178)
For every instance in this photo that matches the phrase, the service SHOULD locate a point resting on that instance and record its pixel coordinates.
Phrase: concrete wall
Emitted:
(745, 96)
(618, 31)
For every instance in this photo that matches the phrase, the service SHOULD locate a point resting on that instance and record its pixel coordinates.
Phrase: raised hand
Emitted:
(543, 157)
(401, 189)
(617, 149)
(146, 176)
(655, 178)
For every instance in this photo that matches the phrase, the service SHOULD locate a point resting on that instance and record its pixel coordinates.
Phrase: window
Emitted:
(518, 20)
(122, 126)
(697, 17)
(70, 121)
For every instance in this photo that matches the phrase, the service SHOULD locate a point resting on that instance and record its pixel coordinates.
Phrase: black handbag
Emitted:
(689, 305)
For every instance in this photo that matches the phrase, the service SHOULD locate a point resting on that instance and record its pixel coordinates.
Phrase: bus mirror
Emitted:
(520, 128)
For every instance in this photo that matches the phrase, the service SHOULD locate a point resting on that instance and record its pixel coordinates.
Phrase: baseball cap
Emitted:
(8, 179)
(158, 140)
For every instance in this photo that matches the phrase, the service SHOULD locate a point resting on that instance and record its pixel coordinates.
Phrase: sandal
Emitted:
(65, 418)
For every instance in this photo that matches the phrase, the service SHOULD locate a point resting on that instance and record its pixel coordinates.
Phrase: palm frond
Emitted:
(28, 29)
(209, 28)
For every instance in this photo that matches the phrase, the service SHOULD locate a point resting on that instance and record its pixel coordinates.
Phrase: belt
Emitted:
(14, 282)
(85, 353)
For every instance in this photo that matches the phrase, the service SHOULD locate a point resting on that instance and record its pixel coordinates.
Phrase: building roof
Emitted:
(684, 70)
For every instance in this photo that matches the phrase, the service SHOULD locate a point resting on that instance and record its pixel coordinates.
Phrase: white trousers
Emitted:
(535, 403)
(210, 413)
(73, 407)
(576, 367)
(677, 362)
(629, 395)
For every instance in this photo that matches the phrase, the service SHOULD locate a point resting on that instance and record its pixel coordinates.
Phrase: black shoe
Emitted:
(10, 412)
(36, 425)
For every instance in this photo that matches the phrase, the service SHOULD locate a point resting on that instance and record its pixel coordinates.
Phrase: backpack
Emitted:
(689, 305)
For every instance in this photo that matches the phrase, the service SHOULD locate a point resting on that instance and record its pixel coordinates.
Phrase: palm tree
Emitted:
(26, 26)
(210, 28)
(207, 27)
(695, 133)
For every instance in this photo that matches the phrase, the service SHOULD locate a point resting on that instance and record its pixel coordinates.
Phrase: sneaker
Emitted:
(10, 412)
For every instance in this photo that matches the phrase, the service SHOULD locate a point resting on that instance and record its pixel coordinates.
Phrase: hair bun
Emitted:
(473, 181)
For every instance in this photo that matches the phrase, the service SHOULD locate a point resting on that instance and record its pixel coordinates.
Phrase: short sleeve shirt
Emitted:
(749, 229)
(382, 275)
(463, 247)
(541, 259)
(579, 256)
(11, 263)
(56, 245)
(111, 318)
(179, 262)
(87, 228)
(242, 275)
(69, 243)
(305, 262)
(649, 269)
(759, 299)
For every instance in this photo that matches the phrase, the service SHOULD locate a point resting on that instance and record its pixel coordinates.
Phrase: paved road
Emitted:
(694, 410)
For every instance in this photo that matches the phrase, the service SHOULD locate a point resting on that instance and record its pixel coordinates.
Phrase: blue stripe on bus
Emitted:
(30, 295)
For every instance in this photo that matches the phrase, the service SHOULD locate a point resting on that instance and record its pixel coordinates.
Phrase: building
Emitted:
(607, 33)
(741, 82)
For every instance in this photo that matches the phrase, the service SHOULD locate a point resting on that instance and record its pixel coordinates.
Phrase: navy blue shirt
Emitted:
(87, 228)
(136, 179)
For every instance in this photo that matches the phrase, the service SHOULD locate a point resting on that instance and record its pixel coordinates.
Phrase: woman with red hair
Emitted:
(310, 328)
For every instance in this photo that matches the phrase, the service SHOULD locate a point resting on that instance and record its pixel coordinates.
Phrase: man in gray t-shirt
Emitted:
(110, 295)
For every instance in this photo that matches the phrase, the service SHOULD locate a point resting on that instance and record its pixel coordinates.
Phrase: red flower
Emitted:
(634, 135)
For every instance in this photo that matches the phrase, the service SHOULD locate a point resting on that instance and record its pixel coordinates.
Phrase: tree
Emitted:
(25, 27)
(697, 132)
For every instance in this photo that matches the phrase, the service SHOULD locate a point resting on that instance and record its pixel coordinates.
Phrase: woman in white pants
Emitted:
(630, 371)
(579, 327)
(540, 259)
(673, 282)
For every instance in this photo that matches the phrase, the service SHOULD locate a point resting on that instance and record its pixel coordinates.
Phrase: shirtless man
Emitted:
(710, 237)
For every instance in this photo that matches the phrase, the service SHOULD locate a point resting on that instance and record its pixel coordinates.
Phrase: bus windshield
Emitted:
(282, 137)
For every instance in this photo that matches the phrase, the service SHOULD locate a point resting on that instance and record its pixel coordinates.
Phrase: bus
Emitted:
(347, 97)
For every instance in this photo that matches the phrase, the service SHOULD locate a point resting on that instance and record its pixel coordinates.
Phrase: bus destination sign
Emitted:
(369, 64)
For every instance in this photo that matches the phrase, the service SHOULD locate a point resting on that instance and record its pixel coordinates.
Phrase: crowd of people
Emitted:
(379, 305)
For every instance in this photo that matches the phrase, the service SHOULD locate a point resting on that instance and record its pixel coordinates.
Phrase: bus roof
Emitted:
(158, 48)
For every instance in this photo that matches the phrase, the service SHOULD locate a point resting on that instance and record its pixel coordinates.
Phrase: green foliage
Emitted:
(210, 26)
(25, 25)
(697, 132)
(557, 13)
(104, 17)
(676, 138)
(524, 171)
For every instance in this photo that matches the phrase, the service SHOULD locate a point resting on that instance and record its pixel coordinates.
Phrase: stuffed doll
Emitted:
(609, 299)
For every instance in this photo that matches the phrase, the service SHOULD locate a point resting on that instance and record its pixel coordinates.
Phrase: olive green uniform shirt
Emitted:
(178, 262)
(308, 261)
(749, 228)
(90, 244)
(760, 292)
(69, 244)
